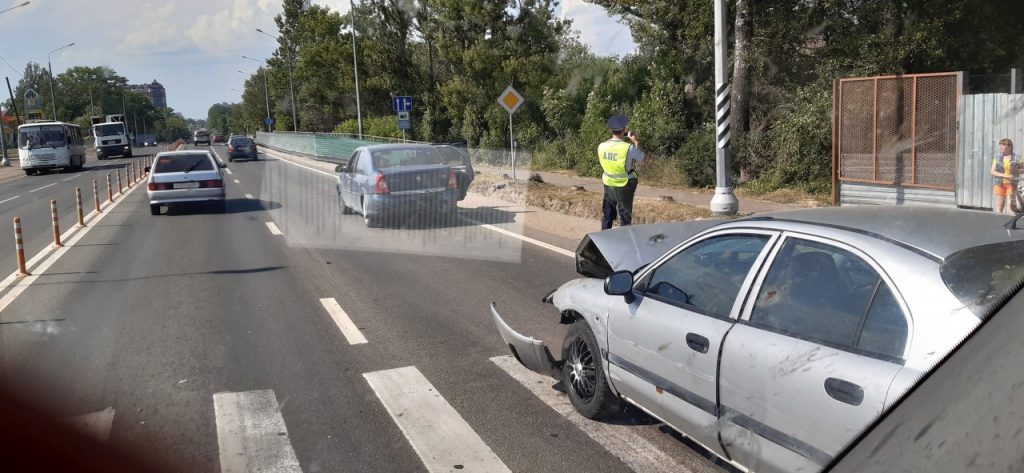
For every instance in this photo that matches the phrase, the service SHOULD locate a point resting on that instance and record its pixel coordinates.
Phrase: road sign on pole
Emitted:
(269, 121)
(404, 121)
(510, 100)
(401, 103)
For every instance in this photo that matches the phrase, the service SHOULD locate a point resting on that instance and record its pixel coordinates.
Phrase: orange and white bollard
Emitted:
(19, 248)
(78, 203)
(56, 224)
(128, 176)
(96, 195)
(110, 190)
(120, 189)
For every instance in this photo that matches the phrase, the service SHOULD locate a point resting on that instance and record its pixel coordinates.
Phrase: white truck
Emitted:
(112, 137)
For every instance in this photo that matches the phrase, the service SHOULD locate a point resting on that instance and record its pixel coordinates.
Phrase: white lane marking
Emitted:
(348, 329)
(299, 165)
(76, 176)
(237, 181)
(635, 451)
(228, 170)
(251, 433)
(10, 199)
(44, 187)
(436, 431)
(51, 254)
(273, 229)
(247, 196)
(546, 246)
(94, 424)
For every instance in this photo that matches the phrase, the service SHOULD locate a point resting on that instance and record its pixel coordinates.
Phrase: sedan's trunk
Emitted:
(416, 178)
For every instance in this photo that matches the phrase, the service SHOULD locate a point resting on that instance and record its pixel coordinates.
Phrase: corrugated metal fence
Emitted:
(984, 120)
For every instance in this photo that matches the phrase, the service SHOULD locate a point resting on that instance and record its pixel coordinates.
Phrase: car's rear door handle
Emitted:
(844, 391)
(697, 343)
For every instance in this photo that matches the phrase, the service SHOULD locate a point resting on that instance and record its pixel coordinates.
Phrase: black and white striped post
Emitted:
(724, 202)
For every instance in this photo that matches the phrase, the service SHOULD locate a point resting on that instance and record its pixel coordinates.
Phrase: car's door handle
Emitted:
(697, 343)
(844, 391)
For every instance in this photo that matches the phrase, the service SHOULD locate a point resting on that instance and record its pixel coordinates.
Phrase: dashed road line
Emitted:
(237, 181)
(273, 229)
(44, 187)
(251, 433)
(76, 176)
(635, 451)
(342, 320)
(9, 199)
(247, 196)
(436, 431)
(228, 170)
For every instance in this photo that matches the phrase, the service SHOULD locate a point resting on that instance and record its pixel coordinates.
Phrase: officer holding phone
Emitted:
(619, 159)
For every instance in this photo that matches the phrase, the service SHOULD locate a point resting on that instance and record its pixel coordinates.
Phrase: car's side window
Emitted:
(363, 163)
(824, 293)
(706, 277)
(352, 162)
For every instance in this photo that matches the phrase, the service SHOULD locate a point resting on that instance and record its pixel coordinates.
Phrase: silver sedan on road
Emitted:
(185, 176)
(773, 340)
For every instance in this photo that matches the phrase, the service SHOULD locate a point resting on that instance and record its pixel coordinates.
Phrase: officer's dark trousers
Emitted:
(618, 200)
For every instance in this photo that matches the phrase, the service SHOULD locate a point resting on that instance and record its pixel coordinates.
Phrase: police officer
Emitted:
(619, 159)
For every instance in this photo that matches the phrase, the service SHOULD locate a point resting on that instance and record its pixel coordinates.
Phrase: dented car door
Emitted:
(664, 355)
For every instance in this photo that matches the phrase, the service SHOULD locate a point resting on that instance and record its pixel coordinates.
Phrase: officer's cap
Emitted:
(617, 122)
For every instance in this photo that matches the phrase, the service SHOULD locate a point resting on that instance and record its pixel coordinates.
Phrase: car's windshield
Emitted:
(45, 136)
(182, 163)
(110, 130)
(497, 235)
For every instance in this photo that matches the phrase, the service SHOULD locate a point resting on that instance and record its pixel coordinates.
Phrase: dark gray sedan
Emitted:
(242, 147)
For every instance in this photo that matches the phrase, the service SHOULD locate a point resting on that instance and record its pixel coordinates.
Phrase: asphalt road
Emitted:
(283, 335)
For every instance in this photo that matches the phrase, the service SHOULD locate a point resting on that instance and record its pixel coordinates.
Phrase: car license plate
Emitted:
(186, 185)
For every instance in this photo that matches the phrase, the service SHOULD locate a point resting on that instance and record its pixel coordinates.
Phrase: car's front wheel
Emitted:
(583, 374)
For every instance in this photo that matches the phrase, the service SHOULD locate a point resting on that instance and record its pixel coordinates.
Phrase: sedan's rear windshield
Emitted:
(983, 277)
(405, 157)
(241, 141)
(182, 163)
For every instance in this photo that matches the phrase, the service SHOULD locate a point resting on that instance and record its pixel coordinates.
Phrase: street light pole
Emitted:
(355, 68)
(266, 90)
(16, 6)
(291, 86)
(49, 66)
(724, 202)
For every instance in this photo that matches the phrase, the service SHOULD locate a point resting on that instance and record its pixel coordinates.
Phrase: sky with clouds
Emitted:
(193, 47)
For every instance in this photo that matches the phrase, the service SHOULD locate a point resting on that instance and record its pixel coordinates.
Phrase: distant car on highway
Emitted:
(185, 176)
(218, 138)
(772, 340)
(201, 136)
(242, 147)
(385, 181)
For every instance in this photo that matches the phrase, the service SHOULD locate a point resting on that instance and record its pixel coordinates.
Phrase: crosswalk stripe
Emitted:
(439, 435)
(251, 433)
(273, 229)
(626, 445)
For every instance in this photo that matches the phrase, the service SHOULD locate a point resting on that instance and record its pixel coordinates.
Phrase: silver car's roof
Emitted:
(938, 231)
(394, 146)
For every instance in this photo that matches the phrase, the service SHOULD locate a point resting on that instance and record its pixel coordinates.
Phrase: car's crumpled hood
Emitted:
(630, 247)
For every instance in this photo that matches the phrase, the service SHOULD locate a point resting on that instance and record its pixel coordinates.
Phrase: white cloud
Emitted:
(604, 34)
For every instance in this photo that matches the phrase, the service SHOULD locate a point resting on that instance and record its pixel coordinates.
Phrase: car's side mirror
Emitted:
(620, 283)
(147, 169)
(341, 168)
(222, 165)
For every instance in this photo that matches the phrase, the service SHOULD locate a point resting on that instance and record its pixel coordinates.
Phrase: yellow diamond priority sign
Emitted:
(510, 100)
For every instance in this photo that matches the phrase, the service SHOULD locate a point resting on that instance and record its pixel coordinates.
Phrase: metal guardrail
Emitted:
(330, 147)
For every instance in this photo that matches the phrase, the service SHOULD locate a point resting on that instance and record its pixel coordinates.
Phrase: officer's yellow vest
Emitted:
(612, 156)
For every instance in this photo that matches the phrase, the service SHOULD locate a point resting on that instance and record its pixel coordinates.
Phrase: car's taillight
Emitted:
(453, 183)
(381, 187)
(153, 186)
(213, 183)
(158, 186)
(231, 148)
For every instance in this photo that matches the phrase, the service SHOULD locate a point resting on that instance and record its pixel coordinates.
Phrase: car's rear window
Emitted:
(241, 141)
(982, 277)
(405, 157)
(183, 162)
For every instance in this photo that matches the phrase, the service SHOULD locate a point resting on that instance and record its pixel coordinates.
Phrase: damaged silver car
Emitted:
(772, 340)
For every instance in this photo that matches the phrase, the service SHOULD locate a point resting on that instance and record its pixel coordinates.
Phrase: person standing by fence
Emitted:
(1004, 166)
(619, 159)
